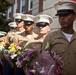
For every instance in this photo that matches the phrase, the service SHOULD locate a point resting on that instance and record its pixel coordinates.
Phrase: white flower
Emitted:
(13, 56)
(18, 47)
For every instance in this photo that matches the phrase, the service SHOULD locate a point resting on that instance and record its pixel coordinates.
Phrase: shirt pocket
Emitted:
(60, 52)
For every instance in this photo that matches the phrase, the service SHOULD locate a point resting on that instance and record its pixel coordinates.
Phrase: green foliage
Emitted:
(1, 20)
(1, 23)
(4, 5)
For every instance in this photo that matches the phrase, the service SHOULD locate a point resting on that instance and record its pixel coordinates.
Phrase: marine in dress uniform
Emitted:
(63, 41)
(20, 30)
(11, 33)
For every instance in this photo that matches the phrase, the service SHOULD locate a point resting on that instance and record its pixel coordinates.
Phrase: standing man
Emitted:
(19, 31)
(11, 33)
(27, 35)
(63, 41)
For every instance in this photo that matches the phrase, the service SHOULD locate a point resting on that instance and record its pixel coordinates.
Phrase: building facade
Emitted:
(34, 7)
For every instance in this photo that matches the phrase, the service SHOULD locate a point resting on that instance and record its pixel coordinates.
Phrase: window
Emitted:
(30, 4)
(22, 8)
(9, 13)
(15, 6)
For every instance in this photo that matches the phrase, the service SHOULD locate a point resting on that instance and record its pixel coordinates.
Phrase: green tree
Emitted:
(4, 5)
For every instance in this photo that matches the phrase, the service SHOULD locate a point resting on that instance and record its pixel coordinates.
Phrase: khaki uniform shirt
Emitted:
(23, 40)
(35, 44)
(67, 50)
(10, 36)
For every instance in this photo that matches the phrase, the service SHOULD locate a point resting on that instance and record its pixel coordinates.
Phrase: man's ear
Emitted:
(74, 17)
(49, 28)
(33, 25)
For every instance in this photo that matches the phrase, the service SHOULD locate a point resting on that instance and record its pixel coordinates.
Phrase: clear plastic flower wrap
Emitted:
(45, 64)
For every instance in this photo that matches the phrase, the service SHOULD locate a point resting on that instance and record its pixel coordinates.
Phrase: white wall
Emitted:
(35, 7)
(49, 10)
(48, 7)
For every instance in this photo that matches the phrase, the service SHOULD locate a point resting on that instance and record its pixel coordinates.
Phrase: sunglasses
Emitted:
(18, 20)
(13, 28)
(28, 23)
(42, 24)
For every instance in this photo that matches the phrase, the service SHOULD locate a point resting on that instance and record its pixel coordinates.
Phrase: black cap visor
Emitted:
(28, 23)
(65, 11)
(18, 20)
(42, 24)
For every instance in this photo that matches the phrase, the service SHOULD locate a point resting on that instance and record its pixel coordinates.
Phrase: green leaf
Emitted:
(47, 46)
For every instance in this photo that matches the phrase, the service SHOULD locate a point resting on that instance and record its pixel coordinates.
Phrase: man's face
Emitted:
(29, 28)
(66, 20)
(19, 22)
(43, 28)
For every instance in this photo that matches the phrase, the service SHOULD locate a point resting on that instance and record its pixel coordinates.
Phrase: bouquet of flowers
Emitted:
(35, 61)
